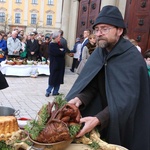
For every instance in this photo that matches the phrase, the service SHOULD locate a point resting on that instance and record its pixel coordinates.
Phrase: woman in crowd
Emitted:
(57, 65)
(87, 51)
(23, 51)
(3, 48)
(147, 59)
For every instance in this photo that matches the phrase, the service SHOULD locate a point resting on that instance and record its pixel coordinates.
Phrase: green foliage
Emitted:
(60, 100)
(4, 146)
(94, 145)
(34, 127)
(44, 115)
(74, 129)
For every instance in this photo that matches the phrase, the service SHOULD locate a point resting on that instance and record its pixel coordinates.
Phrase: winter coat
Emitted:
(57, 64)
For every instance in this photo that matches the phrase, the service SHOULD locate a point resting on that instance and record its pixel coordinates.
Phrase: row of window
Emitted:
(50, 2)
(33, 18)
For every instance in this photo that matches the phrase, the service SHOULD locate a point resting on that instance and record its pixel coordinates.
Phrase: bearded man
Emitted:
(113, 90)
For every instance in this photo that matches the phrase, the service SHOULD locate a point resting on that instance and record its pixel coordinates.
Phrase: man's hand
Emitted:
(15, 52)
(76, 101)
(89, 124)
(32, 53)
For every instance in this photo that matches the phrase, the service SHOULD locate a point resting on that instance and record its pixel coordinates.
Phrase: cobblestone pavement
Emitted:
(27, 94)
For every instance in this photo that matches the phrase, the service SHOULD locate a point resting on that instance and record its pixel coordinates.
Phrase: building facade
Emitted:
(73, 17)
(41, 15)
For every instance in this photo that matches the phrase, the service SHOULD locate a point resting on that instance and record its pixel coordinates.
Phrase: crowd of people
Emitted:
(17, 44)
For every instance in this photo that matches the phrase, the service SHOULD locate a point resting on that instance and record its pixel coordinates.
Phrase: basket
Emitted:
(10, 62)
(18, 62)
(52, 146)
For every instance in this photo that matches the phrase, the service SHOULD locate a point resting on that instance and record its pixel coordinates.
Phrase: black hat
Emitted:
(110, 15)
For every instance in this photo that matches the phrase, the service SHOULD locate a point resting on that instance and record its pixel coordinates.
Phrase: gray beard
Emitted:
(103, 44)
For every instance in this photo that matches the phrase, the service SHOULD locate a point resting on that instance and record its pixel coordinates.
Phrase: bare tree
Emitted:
(5, 23)
(37, 25)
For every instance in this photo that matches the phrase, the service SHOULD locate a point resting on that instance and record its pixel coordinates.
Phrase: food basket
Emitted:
(52, 146)
(10, 62)
(19, 62)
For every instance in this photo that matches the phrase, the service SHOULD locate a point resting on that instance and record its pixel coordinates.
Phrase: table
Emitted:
(23, 70)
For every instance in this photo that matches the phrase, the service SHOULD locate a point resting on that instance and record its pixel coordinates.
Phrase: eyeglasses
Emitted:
(104, 30)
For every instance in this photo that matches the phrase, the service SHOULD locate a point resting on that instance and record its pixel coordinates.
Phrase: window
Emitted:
(49, 20)
(17, 18)
(18, 1)
(50, 2)
(2, 17)
(33, 18)
(2, 0)
(34, 2)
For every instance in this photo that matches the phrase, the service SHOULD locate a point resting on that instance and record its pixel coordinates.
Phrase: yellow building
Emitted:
(29, 15)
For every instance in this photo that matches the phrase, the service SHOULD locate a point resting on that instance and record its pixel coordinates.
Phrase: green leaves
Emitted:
(74, 129)
(4, 146)
(60, 100)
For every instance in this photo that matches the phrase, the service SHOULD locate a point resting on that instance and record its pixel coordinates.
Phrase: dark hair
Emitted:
(47, 38)
(61, 32)
(147, 54)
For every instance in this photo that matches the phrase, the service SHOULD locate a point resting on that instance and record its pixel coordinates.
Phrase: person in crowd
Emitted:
(8, 34)
(147, 59)
(87, 51)
(13, 45)
(113, 89)
(3, 82)
(5, 37)
(20, 34)
(40, 42)
(86, 34)
(3, 48)
(76, 51)
(32, 48)
(44, 48)
(63, 42)
(23, 50)
(134, 42)
(57, 65)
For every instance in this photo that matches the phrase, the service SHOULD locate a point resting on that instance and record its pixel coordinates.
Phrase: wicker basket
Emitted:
(10, 62)
(18, 62)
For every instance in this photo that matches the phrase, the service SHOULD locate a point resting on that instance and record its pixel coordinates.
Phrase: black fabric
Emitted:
(32, 47)
(63, 43)
(3, 82)
(57, 64)
(110, 15)
(128, 94)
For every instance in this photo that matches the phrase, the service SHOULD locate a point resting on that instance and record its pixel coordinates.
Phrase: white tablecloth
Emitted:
(23, 70)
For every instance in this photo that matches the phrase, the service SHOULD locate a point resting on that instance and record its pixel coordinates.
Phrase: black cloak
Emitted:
(3, 82)
(128, 94)
(57, 64)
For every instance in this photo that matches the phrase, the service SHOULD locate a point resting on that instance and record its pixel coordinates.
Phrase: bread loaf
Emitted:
(8, 125)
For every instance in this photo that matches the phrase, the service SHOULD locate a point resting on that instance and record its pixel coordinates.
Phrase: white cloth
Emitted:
(23, 70)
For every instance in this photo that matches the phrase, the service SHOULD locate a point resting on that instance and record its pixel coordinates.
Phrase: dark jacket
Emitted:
(44, 50)
(3, 46)
(57, 64)
(32, 47)
(127, 93)
(63, 43)
(3, 82)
